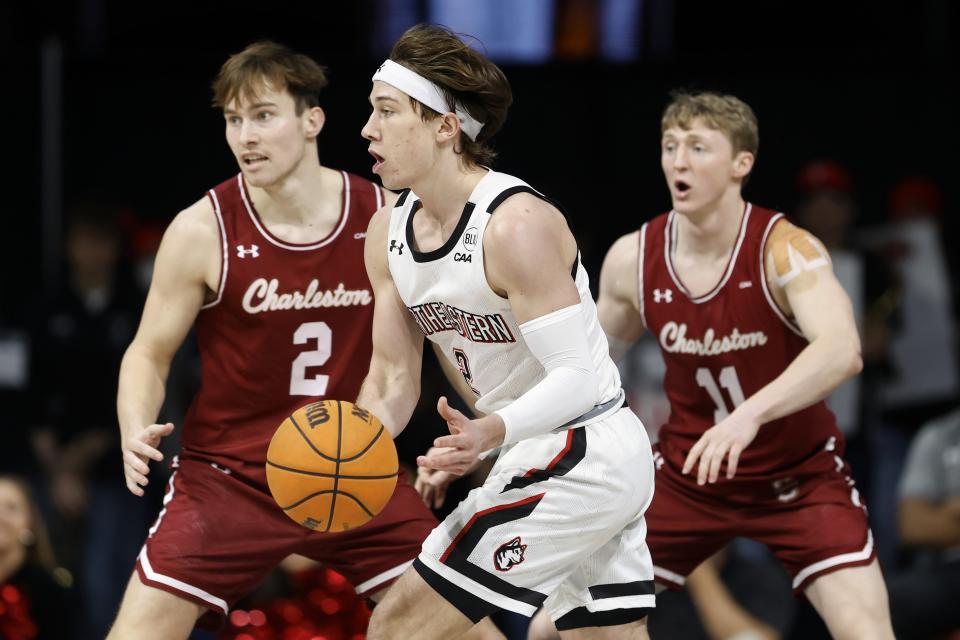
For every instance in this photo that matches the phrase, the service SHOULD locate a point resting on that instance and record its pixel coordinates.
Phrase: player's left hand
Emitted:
(459, 452)
(728, 438)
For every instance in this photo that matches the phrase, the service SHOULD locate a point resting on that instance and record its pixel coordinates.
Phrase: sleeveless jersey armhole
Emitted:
(224, 255)
(780, 313)
(640, 255)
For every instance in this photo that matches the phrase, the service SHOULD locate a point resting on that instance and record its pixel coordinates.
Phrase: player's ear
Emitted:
(313, 120)
(448, 128)
(742, 164)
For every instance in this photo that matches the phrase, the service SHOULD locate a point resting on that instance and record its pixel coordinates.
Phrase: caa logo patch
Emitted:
(471, 238)
(462, 257)
(509, 555)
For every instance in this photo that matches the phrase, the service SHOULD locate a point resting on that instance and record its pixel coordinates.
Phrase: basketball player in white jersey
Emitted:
(487, 268)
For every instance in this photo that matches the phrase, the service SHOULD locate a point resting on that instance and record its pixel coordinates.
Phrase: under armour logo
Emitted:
(243, 252)
(657, 460)
(662, 295)
(746, 284)
(398, 247)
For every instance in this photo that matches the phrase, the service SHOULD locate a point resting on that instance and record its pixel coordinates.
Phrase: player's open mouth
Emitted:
(681, 187)
(379, 161)
(253, 160)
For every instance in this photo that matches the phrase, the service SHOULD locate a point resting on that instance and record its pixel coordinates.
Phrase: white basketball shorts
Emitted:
(558, 523)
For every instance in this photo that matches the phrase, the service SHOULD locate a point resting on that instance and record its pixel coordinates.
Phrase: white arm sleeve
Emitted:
(559, 341)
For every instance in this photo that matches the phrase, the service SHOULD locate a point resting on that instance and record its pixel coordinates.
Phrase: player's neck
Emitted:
(712, 231)
(446, 188)
(300, 197)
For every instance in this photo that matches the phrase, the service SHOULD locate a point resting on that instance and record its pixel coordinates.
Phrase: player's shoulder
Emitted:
(786, 238)
(623, 253)
(194, 228)
(523, 215)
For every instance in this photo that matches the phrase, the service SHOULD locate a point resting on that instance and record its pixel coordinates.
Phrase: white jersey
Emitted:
(447, 292)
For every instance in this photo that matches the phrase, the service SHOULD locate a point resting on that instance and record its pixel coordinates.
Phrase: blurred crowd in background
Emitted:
(857, 141)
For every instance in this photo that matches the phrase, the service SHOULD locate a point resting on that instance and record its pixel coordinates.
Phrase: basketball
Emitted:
(332, 466)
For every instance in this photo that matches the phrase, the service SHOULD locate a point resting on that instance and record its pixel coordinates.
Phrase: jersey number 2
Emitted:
(300, 384)
(729, 381)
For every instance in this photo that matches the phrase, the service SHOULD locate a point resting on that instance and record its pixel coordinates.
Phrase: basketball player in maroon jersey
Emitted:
(269, 268)
(755, 331)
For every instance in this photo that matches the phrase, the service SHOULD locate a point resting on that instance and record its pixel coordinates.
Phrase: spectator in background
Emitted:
(76, 346)
(33, 604)
(923, 598)
(921, 379)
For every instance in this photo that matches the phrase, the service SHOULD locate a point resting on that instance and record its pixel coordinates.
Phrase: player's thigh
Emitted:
(853, 601)
(542, 627)
(412, 609)
(147, 613)
(631, 631)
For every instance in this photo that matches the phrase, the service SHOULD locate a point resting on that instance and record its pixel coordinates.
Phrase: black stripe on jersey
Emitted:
(457, 554)
(402, 198)
(581, 618)
(468, 604)
(638, 588)
(571, 454)
(451, 242)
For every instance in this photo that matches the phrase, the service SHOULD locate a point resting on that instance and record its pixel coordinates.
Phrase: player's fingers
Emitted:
(141, 448)
(694, 454)
(135, 463)
(734, 459)
(455, 441)
(447, 412)
(704, 467)
(138, 478)
(133, 488)
(716, 461)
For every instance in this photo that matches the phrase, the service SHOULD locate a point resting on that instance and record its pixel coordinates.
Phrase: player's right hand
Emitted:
(432, 485)
(138, 448)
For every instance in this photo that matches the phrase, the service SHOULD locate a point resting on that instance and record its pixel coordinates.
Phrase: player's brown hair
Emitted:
(725, 113)
(465, 76)
(243, 75)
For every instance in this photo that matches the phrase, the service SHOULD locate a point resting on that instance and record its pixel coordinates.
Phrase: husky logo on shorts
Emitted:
(509, 554)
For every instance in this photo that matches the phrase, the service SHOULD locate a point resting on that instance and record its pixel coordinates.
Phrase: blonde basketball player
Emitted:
(487, 269)
(755, 332)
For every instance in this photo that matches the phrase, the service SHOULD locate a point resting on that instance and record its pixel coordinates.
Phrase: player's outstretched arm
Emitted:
(801, 281)
(618, 306)
(392, 386)
(188, 257)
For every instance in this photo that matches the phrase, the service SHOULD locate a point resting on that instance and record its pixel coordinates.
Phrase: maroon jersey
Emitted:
(722, 347)
(291, 323)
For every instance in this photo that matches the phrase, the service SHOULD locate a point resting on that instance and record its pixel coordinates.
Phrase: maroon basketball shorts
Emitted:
(217, 536)
(812, 518)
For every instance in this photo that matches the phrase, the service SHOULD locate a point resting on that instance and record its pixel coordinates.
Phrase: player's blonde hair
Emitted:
(244, 74)
(464, 76)
(728, 114)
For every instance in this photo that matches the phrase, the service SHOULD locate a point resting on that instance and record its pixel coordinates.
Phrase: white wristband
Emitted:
(571, 387)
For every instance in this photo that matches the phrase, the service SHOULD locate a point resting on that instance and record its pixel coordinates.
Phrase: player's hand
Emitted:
(138, 448)
(726, 439)
(459, 452)
(432, 484)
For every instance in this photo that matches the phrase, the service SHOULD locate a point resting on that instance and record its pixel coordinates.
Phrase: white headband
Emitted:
(419, 88)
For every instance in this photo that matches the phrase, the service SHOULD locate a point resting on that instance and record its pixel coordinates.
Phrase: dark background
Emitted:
(870, 84)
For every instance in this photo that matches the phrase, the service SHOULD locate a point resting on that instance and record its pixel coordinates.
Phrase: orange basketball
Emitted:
(332, 466)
